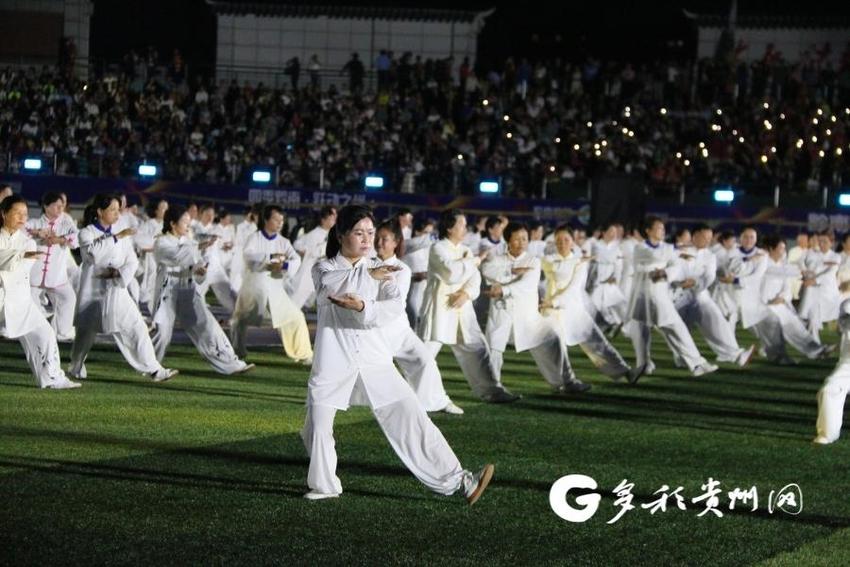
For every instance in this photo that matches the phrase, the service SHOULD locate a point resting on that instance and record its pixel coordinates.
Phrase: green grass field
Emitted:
(209, 470)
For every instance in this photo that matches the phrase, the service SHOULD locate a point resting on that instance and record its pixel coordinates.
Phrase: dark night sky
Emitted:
(642, 30)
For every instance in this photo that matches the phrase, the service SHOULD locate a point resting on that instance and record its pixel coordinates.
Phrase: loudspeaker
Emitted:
(619, 198)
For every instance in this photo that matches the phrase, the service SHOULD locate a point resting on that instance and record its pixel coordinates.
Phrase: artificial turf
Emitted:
(209, 469)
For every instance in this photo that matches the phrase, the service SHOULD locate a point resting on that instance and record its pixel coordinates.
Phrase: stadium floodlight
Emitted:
(489, 187)
(373, 182)
(32, 164)
(844, 199)
(724, 195)
(261, 176)
(147, 170)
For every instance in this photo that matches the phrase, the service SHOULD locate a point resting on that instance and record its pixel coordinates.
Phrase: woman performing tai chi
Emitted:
(355, 296)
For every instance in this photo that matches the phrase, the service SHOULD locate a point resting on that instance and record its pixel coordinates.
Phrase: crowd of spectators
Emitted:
(440, 125)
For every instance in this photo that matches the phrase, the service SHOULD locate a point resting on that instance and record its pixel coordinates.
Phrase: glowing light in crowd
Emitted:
(821, 153)
(741, 139)
(557, 140)
(800, 143)
(678, 155)
(687, 162)
(625, 130)
(604, 143)
(764, 158)
(768, 125)
(374, 182)
(828, 132)
(261, 176)
(705, 153)
(766, 106)
(782, 116)
(663, 111)
(509, 135)
(844, 199)
(488, 187)
(147, 170)
(815, 121)
(576, 147)
(773, 149)
(32, 164)
(595, 146)
(590, 124)
(552, 168)
(506, 118)
(485, 102)
(598, 153)
(460, 157)
(724, 195)
(719, 112)
(838, 151)
(820, 112)
(631, 133)
(814, 139)
(702, 144)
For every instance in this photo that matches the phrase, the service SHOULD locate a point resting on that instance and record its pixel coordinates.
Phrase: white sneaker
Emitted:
(452, 409)
(821, 440)
(64, 385)
(316, 495)
(81, 374)
(704, 369)
(574, 387)
(479, 484)
(246, 368)
(306, 361)
(746, 356)
(164, 374)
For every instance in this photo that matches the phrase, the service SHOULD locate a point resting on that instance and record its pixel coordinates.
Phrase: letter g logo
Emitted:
(558, 498)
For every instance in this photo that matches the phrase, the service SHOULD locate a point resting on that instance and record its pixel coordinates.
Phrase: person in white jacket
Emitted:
(697, 272)
(311, 248)
(606, 295)
(416, 362)
(512, 278)
(269, 260)
(20, 317)
(216, 277)
(144, 238)
(724, 292)
(820, 297)
(244, 229)
(781, 324)
(103, 303)
(448, 318)
(833, 393)
(180, 266)
(651, 304)
(355, 296)
(416, 253)
(565, 306)
(55, 235)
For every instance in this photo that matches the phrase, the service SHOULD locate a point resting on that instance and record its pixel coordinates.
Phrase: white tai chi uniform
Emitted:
(311, 247)
(819, 302)
(105, 306)
(795, 258)
(515, 318)
(178, 301)
(651, 305)
(50, 273)
(353, 364)
(607, 298)
(832, 394)
(129, 220)
(565, 288)
(781, 323)
(696, 307)
(144, 239)
(451, 268)
(216, 278)
(237, 265)
(20, 317)
(263, 294)
(416, 252)
(414, 359)
(725, 295)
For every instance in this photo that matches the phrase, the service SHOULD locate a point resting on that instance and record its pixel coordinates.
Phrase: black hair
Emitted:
(268, 210)
(420, 223)
(564, 228)
(100, 201)
(346, 218)
(394, 227)
(172, 215)
(649, 222)
(447, 222)
(514, 227)
(7, 204)
(771, 241)
(150, 208)
(51, 197)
